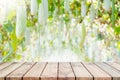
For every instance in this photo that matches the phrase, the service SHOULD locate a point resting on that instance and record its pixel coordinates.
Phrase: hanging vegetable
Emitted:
(41, 19)
(45, 8)
(83, 32)
(66, 5)
(34, 7)
(20, 21)
(43, 12)
(107, 4)
(83, 9)
(92, 13)
(27, 36)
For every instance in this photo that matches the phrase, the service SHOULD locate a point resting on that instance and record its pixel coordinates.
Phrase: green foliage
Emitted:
(9, 44)
(117, 30)
(38, 1)
(118, 44)
(8, 27)
(0, 38)
(113, 13)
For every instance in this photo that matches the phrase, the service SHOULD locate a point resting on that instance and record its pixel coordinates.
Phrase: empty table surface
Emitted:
(60, 71)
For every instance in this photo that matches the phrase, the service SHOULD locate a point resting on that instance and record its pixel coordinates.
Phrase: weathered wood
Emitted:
(115, 65)
(80, 71)
(50, 72)
(96, 72)
(118, 62)
(60, 71)
(4, 65)
(18, 73)
(35, 72)
(4, 72)
(65, 72)
(110, 70)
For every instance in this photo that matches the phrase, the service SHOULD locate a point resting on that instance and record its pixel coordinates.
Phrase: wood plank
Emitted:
(118, 62)
(4, 72)
(35, 72)
(98, 73)
(115, 65)
(65, 72)
(18, 73)
(81, 72)
(1, 63)
(4, 65)
(110, 70)
(50, 72)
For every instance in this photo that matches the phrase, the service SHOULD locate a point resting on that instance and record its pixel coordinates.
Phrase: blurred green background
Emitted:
(62, 30)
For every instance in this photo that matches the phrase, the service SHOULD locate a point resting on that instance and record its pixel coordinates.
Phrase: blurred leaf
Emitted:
(113, 14)
(4, 53)
(38, 1)
(118, 45)
(18, 56)
(100, 36)
(7, 54)
(117, 30)
(105, 17)
(7, 26)
(23, 45)
(0, 37)
(11, 15)
(30, 23)
(14, 41)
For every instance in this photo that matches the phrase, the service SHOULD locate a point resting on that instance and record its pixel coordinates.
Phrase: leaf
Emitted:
(30, 23)
(7, 54)
(6, 57)
(8, 26)
(118, 45)
(83, 35)
(38, 1)
(113, 14)
(0, 37)
(23, 45)
(4, 53)
(117, 30)
(14, 41)
(100, 36)
(11, 15)
(18, 56)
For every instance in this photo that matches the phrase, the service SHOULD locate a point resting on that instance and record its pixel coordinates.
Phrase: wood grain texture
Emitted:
(118, 62)
(98, 73)
(65, 72)
(50, 71)
(114, 65)
(4, 72)
(18, 73)
(80, 71)
(4, 65)
(60, 71)
(110, 70)
(35, 72)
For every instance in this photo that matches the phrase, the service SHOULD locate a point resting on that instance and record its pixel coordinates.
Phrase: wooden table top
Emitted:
(60, 71)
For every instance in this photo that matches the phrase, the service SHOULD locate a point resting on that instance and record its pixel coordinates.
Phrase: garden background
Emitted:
(59, 30)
